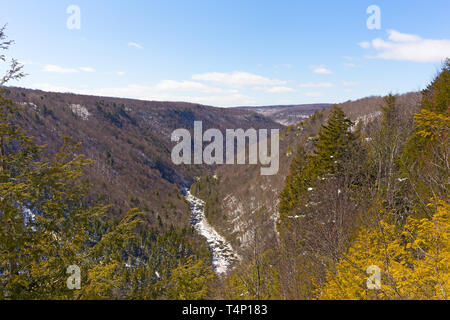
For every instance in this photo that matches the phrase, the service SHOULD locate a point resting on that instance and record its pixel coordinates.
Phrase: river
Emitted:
(223, 254)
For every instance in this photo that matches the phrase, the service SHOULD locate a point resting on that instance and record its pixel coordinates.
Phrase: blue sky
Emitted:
(229, 53)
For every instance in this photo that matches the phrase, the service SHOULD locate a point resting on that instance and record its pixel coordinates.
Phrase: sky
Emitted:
(228, 53)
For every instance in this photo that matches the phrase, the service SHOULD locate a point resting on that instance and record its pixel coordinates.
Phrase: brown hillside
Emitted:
(130, 142)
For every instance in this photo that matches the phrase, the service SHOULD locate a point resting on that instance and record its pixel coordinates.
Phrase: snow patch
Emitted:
(223, 254)
(366, 119)
(29, 104)
(80, 111)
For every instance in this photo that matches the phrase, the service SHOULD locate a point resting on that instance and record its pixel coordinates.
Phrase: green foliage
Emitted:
(44, 222)
(258, 280)
(204, 188)
(190, 281)
(404, 234)
(48, 222)
(424, 160)
(436, 98)
(334, 153)
(334, 142)
(46, 225)
(413, 260)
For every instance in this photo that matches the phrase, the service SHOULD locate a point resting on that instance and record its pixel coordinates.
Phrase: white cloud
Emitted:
(57, 69)
(322, 70)
(284, 65)
(139, 91)
(134, 91)
(87, 69)
(25, 62)
(364, 45)
(278, 89)
(223, 101)
(134, 45)
(350, 65)
(237, 79)
(120, 73)
(171, 85)
(61, 70)
(316, 85)
(410, 47)
(349, 83)
(53, 88)
(349, 62)
(402, 37)
(313, 94)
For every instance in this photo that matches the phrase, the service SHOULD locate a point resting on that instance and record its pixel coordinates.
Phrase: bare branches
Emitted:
(15, 71)
(4, 44)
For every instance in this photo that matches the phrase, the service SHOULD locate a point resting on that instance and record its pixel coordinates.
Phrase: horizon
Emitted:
(227, 55)
(222, 107)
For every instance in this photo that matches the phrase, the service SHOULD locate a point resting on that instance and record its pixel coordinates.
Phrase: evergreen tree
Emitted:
(334, 142)
(336, 153)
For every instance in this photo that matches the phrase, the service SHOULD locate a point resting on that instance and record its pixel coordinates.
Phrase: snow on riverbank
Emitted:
(223, 254)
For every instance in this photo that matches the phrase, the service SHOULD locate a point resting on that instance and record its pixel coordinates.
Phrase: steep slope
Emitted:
(241, 198)
(223, 255)
(130, 143)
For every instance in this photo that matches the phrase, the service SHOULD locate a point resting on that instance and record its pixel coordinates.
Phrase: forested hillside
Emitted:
(233, 196)
(129, 140)
(361, 196)
(288, 114)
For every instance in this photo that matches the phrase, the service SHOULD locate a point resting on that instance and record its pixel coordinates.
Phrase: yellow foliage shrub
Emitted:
(413, 259)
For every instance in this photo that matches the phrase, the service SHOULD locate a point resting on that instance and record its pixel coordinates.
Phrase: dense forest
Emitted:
(361, 201)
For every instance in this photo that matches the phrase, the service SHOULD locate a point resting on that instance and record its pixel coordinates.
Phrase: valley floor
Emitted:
(223, 254)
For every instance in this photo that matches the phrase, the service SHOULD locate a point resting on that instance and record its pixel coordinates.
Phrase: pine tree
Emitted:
(337, 152)
(334, 142)
(317, 206)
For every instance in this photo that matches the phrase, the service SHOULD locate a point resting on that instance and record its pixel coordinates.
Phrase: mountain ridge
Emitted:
(288, 114)
(130, 142)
